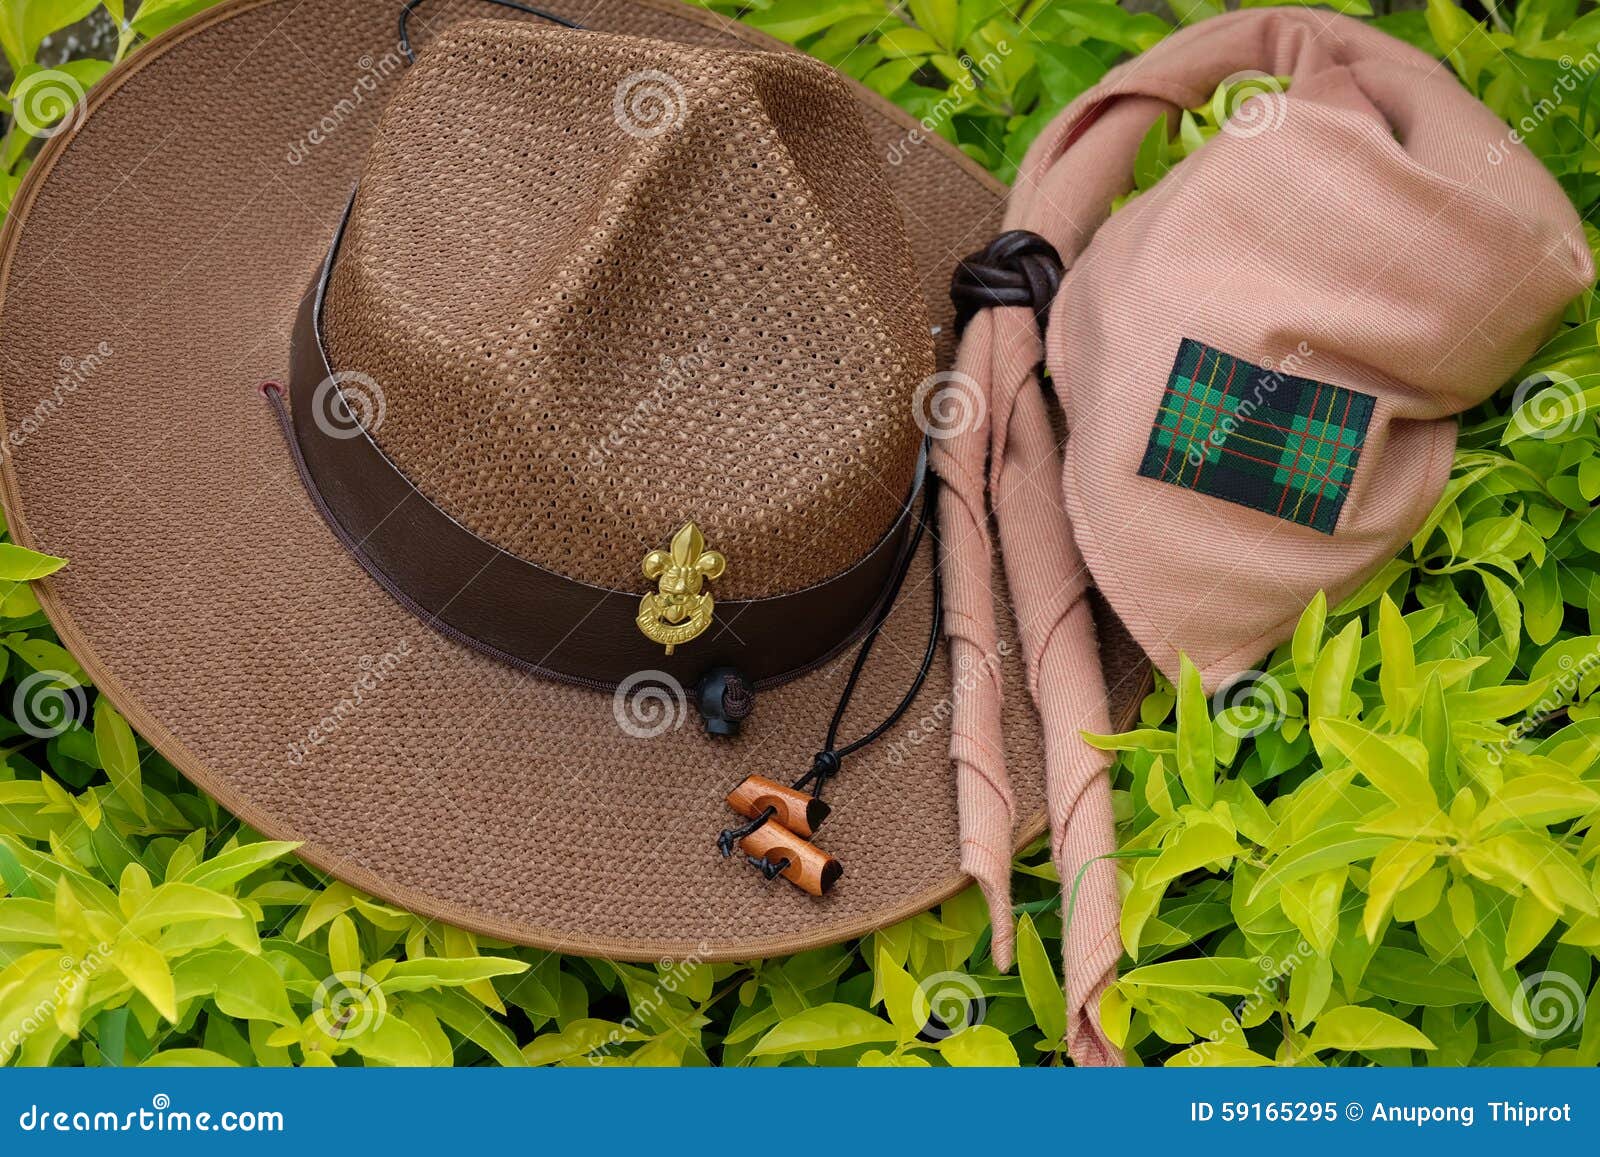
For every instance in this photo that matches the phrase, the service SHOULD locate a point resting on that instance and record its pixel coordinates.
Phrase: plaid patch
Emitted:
(1284, 445)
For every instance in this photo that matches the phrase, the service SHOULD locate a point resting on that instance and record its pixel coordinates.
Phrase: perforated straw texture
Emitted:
(606, 285)
(207, 598)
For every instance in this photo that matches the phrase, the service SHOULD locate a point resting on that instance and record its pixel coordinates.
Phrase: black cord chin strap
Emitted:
(413, 5)
(827, 763)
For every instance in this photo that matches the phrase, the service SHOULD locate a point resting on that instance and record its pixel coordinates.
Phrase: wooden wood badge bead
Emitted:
(799, 811)
(809, 867)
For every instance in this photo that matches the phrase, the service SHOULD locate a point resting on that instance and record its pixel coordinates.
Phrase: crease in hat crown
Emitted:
(606, 286)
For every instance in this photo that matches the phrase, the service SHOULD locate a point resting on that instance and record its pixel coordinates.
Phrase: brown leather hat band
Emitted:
(520, 613)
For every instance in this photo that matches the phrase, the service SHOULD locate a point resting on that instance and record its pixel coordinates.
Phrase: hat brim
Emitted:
(149, 275)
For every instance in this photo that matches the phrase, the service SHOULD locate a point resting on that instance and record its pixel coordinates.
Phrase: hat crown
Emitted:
(602, 287)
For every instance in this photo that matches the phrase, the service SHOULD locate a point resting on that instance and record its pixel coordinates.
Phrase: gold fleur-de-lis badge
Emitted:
(679, 609)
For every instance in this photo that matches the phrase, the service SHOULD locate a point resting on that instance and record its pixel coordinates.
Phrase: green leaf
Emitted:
(344, 945)
(899, 994)
(1395, 868)
(1040, 984)
(794, 20)
(1396, 766)
(179, 903)
(156, 16)
(119, 755)
(1333, 846)
(580, 1038)
(25, 23)
(391, 1041)
(1231, 976)
(1308, 635)
(240, 984)
(187, 1059)
(439, 972)
(1408, 977)
(459, 1011)
(1356, 1029)
(1538, 800)
(1334, 672)
(979, 1046)
(828, 1026)
(18, 564)
(1197, 846)
(228, 868)
(1197, 763)
(146, 969)
(1397, 678)
(43, 655)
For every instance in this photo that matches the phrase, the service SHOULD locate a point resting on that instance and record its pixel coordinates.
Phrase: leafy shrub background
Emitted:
(1382, 848)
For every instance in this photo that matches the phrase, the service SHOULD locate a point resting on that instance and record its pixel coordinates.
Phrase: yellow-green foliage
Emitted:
(1382, 847)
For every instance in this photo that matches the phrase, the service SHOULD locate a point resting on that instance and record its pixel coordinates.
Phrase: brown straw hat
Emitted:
(450, 457)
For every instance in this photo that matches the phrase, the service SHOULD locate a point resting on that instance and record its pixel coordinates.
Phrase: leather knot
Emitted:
(825, 765)
(1018, 267)
(726, 699)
